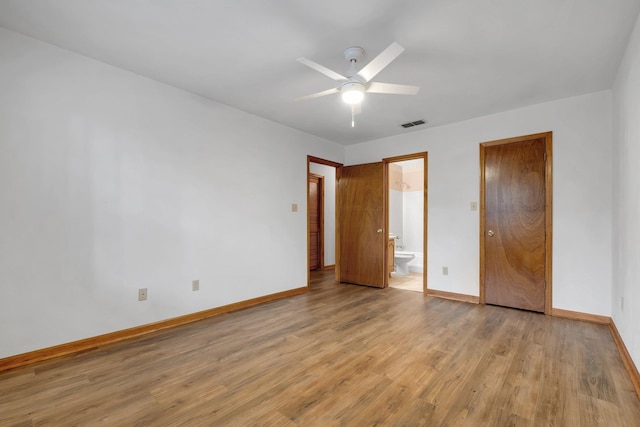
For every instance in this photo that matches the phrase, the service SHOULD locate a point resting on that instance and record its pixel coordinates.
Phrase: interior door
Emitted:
(315, 229)
(361, 230)
(515, 224)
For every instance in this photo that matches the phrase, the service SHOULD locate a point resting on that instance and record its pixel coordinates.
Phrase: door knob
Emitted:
(490, 233)
(379, 230)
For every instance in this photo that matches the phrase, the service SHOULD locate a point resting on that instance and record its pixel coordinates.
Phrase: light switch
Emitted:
(294, 207)
(474, 206)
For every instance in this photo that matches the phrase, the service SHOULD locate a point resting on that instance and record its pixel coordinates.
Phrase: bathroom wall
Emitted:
(329, 234)
(413, 207)
(112, 182)
(396, 210)
(582, 212)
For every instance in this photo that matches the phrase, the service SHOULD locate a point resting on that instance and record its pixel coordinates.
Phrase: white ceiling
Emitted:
(470, 57)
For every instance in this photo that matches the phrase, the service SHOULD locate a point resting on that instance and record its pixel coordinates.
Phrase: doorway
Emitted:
(364, 250)
(407, 221)
(515, 222)
(327, 170)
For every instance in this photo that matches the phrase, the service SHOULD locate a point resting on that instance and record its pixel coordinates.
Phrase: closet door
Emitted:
(515, 223)
(315, 222)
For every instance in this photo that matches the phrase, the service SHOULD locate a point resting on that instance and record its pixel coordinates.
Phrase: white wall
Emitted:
(329, 173)
(111, 182)
(582, 216)
(412, 213)
(396, 216)
(626, 201)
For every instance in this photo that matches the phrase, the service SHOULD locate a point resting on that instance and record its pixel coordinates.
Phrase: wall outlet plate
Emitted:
(142, 294)
(445, 271)
(195, 285)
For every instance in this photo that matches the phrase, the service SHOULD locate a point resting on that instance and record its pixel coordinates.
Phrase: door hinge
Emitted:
(544, 157)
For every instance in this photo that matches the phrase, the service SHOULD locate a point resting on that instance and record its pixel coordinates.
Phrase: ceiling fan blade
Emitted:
(379, 62)
(321, 68)
(319, 94)
(377, 87)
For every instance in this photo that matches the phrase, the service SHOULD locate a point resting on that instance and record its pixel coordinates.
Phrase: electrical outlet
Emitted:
(195, 285)
(445, 271)
(142, 294)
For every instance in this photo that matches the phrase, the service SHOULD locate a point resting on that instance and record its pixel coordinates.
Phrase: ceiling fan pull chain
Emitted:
(353, 120)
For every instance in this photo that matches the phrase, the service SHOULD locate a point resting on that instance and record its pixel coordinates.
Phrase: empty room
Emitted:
(299, 213)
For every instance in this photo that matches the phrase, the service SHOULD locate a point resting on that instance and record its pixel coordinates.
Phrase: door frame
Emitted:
(425, 213)
(336, 165)
(320, 179)
(548, 138)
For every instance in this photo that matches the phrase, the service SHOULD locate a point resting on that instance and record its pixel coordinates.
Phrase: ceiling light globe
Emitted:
(352, 93)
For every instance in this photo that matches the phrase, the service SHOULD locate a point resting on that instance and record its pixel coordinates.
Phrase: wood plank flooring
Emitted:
(339, 355)
(412, 282)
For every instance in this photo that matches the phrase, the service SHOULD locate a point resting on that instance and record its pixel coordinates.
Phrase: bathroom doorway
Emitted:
(407, 221)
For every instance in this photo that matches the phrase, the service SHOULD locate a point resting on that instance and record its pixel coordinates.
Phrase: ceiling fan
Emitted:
(355, 84)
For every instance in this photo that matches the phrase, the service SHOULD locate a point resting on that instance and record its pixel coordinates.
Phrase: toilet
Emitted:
(402, 260)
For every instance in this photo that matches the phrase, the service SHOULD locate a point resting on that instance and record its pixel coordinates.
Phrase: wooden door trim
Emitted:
(548, 138)
(312, 159)
(425, 213)
(320, 179)
(338, 226)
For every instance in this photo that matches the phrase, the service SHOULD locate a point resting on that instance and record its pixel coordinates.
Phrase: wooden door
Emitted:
(362, 235)
(315, 222)
(515, 222)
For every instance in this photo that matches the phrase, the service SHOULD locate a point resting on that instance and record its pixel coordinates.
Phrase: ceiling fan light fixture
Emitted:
(352, 92)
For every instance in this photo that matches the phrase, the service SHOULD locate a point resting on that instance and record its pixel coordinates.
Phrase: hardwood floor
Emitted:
(412, 282)
(339, 355)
